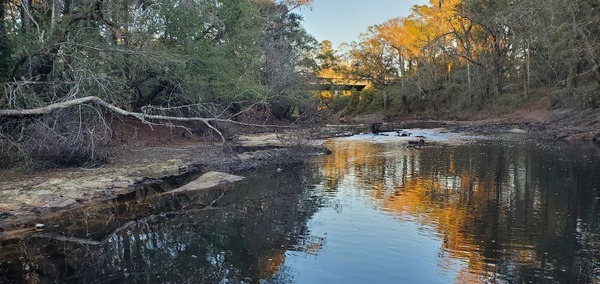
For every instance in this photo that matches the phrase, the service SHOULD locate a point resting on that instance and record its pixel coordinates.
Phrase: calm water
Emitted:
(482, 211)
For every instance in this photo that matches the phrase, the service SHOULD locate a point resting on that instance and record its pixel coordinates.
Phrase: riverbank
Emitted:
(438, 196)
(551, 124)
(25, 197)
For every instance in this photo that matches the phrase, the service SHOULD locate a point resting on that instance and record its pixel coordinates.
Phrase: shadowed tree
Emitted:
(5, 51)
(167, 59)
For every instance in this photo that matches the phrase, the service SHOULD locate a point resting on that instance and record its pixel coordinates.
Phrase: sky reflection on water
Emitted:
(485, 211)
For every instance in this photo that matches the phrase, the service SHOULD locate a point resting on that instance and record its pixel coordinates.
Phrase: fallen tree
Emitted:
(143, 117)
(75, 132)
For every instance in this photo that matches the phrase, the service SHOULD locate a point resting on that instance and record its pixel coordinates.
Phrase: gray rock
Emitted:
(208, 180)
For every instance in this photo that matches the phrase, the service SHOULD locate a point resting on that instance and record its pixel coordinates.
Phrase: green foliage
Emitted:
(167, 57)
(326, 58)
(585, 97)
(167, 52)
(358, 102)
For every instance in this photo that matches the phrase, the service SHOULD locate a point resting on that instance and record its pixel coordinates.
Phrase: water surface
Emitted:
(510, 210)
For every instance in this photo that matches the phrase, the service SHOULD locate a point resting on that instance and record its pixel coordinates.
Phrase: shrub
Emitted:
(63, 138)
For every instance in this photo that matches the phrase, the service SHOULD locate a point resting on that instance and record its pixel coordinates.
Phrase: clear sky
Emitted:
(341, 21)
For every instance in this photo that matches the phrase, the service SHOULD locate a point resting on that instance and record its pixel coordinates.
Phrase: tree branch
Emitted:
(140, 116)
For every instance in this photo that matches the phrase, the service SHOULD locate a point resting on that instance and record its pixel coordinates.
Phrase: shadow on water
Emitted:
(237, 232)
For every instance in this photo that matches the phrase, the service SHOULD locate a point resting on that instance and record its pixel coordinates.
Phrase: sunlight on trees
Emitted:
(455, 55)
(214, 59)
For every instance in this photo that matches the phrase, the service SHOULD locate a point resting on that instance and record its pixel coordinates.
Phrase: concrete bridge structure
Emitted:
(340, 85)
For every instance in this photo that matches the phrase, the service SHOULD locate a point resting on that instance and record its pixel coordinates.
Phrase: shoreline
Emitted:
(25, 199)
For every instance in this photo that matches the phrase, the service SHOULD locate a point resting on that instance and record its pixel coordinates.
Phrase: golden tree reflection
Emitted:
(269, 264)
(481, 204)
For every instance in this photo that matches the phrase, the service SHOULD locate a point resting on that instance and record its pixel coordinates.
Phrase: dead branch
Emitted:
(140, 116)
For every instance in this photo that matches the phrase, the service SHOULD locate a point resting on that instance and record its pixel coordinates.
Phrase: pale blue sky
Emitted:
(341, 21)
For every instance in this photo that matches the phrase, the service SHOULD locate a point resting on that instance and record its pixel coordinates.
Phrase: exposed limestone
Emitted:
(48, 200)
(27, 197)
(260, 140)
(518, 131)
(79, 186)
(208, 180)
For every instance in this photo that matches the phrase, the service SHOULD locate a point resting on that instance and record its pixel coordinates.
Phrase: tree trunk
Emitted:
(527, 71)
(401, 68)
(56, 13)
(385, 100)
(589, 48)
(155, 92)
(4, 48)
(469, 83)
(66, 7)
(26, 15)
(145, 118)
(110, 38)
(496, 66)
(574, 67)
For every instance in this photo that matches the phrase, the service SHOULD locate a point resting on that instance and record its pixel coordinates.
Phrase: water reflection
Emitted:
(231, 233)
(506, 211)
(490, 211)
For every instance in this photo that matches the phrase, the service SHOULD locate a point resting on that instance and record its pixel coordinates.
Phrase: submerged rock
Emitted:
(208, 180)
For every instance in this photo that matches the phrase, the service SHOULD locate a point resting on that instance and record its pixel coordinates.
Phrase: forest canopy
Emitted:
(455, 55)
(135, 53)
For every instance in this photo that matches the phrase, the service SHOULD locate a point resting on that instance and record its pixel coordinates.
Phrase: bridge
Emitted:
(341, 84)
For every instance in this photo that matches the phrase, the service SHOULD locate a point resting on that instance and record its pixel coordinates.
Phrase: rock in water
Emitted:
(208, 180)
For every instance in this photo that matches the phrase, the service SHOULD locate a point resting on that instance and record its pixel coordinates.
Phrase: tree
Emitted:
(170, 58)
(286, 50)
(373, 58)
(326, 58)
(5, 51)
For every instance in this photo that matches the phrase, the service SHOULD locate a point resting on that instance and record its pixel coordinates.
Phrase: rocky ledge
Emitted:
(25, 197)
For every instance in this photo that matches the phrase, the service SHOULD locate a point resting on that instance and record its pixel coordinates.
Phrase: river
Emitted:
(504, 209)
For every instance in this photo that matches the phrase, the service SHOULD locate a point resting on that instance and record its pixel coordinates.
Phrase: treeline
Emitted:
(204, 58)
(456, 55)
(138, 52)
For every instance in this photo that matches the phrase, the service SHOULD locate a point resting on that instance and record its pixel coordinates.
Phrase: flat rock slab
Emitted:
(208, 180)
(260, 140)
(48, 201)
